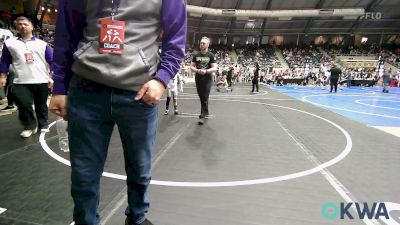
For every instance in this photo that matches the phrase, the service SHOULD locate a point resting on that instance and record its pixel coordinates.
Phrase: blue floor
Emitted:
(367, 105)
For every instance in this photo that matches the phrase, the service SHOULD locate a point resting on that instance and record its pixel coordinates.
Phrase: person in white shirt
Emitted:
(29, 58)
(172, 92)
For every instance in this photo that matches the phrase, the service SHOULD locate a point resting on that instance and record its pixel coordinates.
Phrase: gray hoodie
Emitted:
(78, 28)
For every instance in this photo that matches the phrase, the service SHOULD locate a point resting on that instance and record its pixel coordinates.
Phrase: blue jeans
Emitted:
(93, 110)
(349, 83)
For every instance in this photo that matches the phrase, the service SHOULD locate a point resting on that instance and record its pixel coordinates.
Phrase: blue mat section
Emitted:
(367, 105)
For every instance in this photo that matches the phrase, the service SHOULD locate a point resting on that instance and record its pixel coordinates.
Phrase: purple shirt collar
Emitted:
(32, 38)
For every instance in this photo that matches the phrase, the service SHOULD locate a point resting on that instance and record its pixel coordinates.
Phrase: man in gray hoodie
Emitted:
(107, 71)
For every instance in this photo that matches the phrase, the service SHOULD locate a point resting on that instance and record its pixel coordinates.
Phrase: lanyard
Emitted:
(25, 41)
(114, 8)
(26, 46)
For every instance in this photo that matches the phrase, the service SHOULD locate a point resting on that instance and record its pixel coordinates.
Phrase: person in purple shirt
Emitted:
(107, 71)
(30, 59)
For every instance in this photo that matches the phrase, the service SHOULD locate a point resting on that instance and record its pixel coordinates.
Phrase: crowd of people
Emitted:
(299, 57)
(238, 66)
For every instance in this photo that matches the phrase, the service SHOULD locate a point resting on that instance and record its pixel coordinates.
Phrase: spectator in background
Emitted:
(30, 58)
(334, 78)
(279, 79)
(6, 17)
(349, 78)
(172, 92)
(256, 78)
(8, 91)
(394, 81)
(2, 100)
(229, 76)
(8, 86)
(386, 78)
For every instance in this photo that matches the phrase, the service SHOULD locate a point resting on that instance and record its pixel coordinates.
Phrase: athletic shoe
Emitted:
(9, 108)
(201, 121)
(28, 133)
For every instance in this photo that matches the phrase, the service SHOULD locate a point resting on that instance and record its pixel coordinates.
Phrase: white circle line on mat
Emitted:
(318, 168)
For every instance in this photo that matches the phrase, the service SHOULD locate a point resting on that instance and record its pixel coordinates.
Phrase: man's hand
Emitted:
(50, 84)
(202, 72)
(58, 105)
(151, 92)
(3, 81)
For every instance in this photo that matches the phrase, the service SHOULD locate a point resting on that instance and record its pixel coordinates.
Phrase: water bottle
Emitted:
(62, 132)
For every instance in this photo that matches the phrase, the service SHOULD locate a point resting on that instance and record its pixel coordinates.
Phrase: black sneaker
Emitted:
(9, 108)
(201, 121)
(145, 222)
